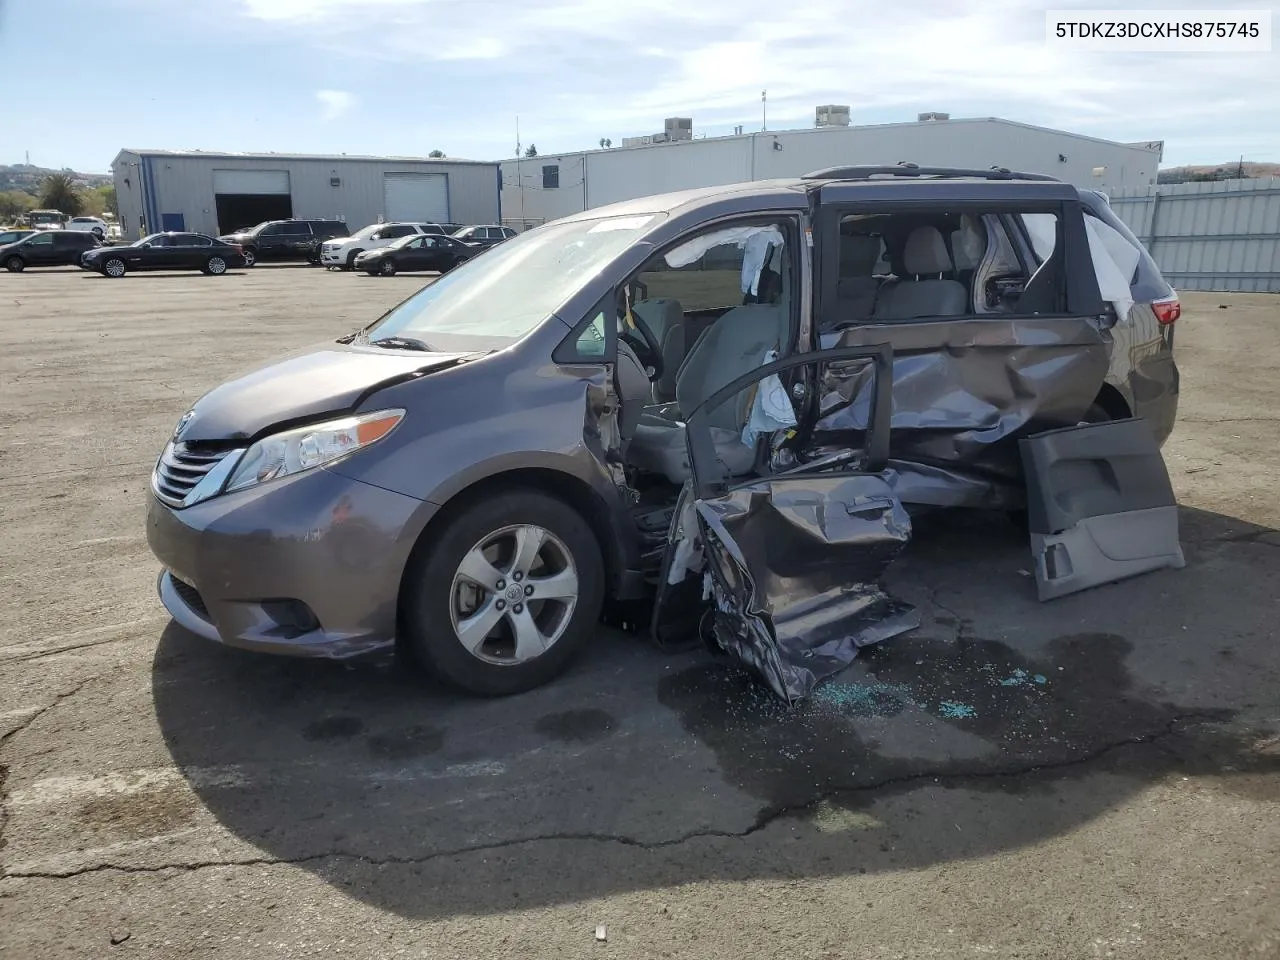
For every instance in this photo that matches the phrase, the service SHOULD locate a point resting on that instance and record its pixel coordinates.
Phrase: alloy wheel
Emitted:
(513, 594)
(113, 267)
(217, 265)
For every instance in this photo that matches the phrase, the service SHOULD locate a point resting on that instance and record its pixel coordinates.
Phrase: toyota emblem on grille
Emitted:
(182, 423)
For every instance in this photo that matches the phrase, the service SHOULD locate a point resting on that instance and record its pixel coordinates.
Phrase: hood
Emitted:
(328, 380)
(235, 237)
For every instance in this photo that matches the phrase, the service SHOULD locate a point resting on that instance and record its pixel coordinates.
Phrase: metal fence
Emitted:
(1222, 235)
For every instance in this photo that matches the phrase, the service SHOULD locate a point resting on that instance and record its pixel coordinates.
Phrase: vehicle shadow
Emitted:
(1000, 723)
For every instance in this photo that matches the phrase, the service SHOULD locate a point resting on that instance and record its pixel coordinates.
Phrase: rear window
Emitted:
(1148, 283)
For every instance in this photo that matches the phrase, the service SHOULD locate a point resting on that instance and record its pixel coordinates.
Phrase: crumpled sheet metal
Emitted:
(965, 391)
(795, 566)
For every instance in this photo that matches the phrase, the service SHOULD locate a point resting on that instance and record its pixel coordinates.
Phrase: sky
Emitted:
(403, 77)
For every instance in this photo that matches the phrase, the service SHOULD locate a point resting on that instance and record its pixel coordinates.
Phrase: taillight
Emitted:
(1167, 310)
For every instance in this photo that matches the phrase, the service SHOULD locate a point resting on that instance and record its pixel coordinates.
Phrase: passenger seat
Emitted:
(916, 299)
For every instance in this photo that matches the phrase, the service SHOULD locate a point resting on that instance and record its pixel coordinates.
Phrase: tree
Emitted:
(13, 204)
(436, 154)
(58, 192)
(532, 151)
(608, 142)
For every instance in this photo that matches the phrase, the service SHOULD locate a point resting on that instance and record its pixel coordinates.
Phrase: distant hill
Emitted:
(27, 177)
(1223, 171)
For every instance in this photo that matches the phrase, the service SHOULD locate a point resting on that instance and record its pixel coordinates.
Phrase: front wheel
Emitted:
(506, 595)
(351, 258)
(97, 232)
(250, 256)
(388, 268)
(15, 264)
(215, 267)
(113, 267)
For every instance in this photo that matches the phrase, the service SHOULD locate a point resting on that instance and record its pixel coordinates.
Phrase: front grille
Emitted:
(180, 468)
(190, 596)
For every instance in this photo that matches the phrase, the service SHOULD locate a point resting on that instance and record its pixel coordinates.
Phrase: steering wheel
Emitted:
(646, 345)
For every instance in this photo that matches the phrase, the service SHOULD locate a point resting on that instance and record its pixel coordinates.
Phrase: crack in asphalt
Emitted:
(1227, 419)
(766, 817)
(57, 701)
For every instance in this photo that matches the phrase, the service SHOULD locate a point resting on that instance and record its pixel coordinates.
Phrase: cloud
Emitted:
(576, 70)
(335, 103)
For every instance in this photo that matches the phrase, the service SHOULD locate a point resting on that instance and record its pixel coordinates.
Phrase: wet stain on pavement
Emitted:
(576, 726)
(129, 817)
(1072, 702)
(407, 744)
(333, 728)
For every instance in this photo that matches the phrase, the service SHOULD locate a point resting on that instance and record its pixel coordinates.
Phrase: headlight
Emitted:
(294, 451)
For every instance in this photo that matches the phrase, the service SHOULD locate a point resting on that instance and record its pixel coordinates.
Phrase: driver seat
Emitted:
(735, 345)
(665, 319)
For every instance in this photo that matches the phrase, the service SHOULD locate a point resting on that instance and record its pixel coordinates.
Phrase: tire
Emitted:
(373, 272)
(250, 256)
(351, 259)
(388, 268)
(215, 266)
(436, 596)
(15, 264)
(113, 267)
(97, 232)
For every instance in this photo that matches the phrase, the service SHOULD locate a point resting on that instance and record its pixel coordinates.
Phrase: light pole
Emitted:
(764, 110)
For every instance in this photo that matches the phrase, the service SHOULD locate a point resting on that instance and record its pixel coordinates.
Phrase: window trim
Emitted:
(566, 352)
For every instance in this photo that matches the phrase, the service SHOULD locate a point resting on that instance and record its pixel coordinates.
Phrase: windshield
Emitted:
(399, 242)
(46, 218)
(515, 286)
(364, 233)
(464, 232)
(143, 241)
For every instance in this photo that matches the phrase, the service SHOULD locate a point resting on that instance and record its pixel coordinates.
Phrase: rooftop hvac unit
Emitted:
(678, 128)
(831, 115)
(932, 115)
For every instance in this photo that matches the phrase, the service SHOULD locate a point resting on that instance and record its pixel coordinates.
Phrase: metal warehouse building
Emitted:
(546, 187)
(217, 193)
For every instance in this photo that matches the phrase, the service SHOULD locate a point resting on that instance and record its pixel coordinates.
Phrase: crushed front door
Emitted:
(791, 561)
(1100, 506)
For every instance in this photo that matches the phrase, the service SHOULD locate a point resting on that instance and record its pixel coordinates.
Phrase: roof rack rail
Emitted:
(908, 169)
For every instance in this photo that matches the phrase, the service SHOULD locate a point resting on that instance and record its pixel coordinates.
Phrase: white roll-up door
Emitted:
(251, 181)
(417, 196)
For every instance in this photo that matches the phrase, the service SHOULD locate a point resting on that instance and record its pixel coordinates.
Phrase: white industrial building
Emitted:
(543, 188)
(217, 193)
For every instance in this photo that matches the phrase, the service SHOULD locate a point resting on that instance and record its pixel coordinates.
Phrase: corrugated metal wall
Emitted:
(1223, 235)
(183, 183)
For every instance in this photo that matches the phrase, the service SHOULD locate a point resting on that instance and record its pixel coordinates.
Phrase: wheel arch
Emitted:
(569, 489)
(1114, 402)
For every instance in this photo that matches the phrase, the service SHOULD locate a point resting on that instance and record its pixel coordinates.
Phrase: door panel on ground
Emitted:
(1100, 506)
(794, 559)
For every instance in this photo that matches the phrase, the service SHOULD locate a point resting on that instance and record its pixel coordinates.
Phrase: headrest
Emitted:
(858, 254)
(926, 252)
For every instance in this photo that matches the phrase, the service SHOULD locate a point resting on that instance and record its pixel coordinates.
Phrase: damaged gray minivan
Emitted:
(727, 399)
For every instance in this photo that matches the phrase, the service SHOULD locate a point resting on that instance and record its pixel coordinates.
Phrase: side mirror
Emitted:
(376, 236)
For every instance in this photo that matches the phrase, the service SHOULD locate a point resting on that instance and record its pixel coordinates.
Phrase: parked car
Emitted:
(485, 235)
(285, 240)
(744, 385)
(165, 251)
(437, 253)
(47, 248)
(46, 219)
(94, 225)
(12, 236)
(342, 251)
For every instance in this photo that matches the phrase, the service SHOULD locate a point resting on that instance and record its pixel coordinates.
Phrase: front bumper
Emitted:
(333, 258)
(307, 566)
